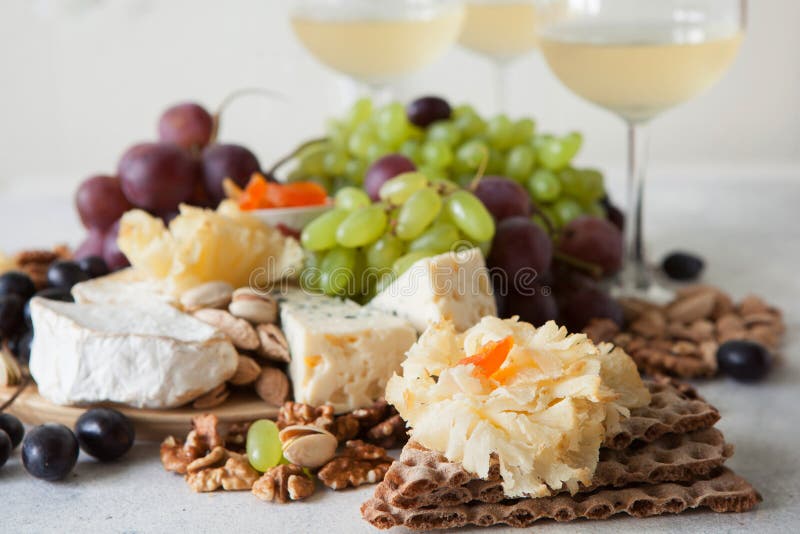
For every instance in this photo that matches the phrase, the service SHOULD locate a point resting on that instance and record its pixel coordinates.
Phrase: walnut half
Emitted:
(360, 463)
(284, 483)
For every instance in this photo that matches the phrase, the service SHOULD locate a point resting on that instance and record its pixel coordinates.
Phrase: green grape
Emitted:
(444, 186)
(337, 276)
(334, 162)
(385, 278)
(337, 133)
(572, 183)
(412, 150)
(320, 234)
(351, 198)
(415, 133)
(312, 161)
(497, 162)
(471, 154)
(462, 110)
(470, 215)
(392, 124)
(519, 162)
(593, 183)
(355, 171)
(362, 226)
(485, 247)
(572, 143)
(445, 132)
(404, 263)
(361, 140)
(524, 130)
(595, 209)
(439, 238)
(263, 446)
(544, 186)
(384, 252)
(433, 173)
(360, 284)
(464, 181)
(309, 278)
(359, 112)
(501, 132)
(566, 209)
(397, 190)
(555, 154)
(417, 213)
(377, 151)
(437, 154)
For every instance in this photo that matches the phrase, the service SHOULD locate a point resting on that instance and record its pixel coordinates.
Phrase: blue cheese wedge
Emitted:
(147, 356)
(454, 286)
(342, 354)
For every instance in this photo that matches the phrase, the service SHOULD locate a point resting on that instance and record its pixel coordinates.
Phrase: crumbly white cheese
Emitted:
(147, 356)
(342, 354)
(122, 287)
(453, 286)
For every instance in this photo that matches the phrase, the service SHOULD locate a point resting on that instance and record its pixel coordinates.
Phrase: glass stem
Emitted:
(500, 86)
(635, 274)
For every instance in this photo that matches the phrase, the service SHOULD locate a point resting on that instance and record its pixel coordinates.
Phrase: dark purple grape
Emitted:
(50, 452)
(11, 315)
(17, 283)
(384, 170)
(92, 245)
(94, 266)
(101, 201)
(746, 361)
(426, 110)
(683, 266)
(157, 176)
(188, 125)
(593, 240)
(20, 346)
(49, 293)
(503, 197)
(65, 274)
(13, 427)
(227, 161)
(580, 307)
(115, 258)
(5, 447)
(104, 433)
(519, 247)
(536, 309)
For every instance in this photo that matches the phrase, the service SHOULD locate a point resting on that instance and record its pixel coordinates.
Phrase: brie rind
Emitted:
(147, 356)
(122, 287)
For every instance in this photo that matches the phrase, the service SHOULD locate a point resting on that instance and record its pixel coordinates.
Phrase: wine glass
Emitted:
(503, 31)
(373, 43)
(637, 59)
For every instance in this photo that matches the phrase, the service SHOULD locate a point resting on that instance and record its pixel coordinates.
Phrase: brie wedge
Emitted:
(147, 356)
(454, 286)
(122, 287)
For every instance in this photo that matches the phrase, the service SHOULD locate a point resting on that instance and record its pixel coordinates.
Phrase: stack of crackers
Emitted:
(667, 458)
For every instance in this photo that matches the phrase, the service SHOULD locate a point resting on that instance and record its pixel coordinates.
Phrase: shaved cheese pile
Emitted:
(539, 399)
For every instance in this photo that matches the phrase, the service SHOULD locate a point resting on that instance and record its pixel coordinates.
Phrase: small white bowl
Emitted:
(292, 218)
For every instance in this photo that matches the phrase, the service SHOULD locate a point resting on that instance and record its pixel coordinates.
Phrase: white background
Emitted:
(76, 90)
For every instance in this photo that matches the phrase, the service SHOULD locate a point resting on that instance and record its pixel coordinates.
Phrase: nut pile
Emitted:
(211, 459)
(35, 262)
(681, 338)
(249, 319)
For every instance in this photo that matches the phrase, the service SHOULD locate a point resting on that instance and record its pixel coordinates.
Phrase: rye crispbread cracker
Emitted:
(723, 492)
(422, 477)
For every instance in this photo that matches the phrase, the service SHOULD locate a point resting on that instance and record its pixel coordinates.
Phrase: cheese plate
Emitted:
(151, 425)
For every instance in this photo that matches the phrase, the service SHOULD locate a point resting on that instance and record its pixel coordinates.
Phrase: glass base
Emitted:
(642, 282)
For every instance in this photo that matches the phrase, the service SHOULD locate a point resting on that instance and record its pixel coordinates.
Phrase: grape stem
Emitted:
(473, 185)
(236, 95)
(24, 383)
(551, 227)
(294, 153)
(591, 268)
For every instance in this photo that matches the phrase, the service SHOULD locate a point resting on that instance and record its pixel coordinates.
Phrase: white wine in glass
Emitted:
(639, 58)
(377, 42)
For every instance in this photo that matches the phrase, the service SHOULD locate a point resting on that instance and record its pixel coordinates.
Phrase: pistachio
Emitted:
(255, 307)
(247, 371)
(208, 295)
(273, 343)
(240, 332)
(308, 446)
(272, 386)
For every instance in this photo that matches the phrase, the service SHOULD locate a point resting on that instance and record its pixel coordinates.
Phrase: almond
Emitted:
(247, 371)
(272, 386)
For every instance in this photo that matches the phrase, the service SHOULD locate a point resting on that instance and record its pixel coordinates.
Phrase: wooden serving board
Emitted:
(151, 425)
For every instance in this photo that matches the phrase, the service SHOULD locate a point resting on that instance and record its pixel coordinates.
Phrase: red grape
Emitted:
(92, 245)
(593, 240)
(158, 176)
(426, 110)
(580, 307)
(536, 309)
(614, 214)
(111, 253)
(520, 244)
(503, 197)
(100, 201)
(227, 161)
(188, 125)
(384, 170)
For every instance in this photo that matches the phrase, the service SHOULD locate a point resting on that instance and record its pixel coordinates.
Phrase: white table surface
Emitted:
(749, 232)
